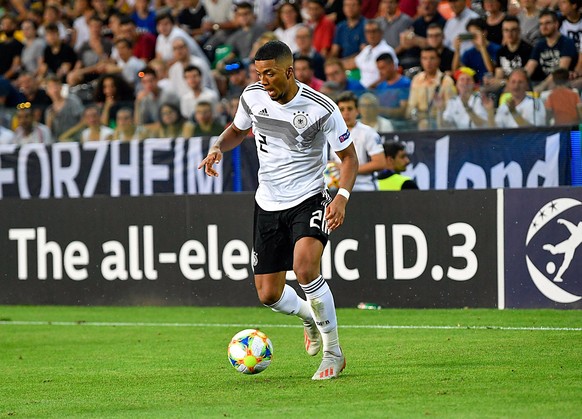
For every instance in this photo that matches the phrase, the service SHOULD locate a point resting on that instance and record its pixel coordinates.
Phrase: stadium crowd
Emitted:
(85, 70)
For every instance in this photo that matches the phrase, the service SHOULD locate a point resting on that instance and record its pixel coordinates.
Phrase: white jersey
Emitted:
(291, 142)
(368, 143)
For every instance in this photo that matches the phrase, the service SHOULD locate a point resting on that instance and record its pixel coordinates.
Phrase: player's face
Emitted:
(276, 79)
(349, 112)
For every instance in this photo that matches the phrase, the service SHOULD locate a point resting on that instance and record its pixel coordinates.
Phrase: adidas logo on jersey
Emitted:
(264, 112)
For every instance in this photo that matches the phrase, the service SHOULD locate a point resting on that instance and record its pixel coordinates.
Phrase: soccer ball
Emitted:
(250, 351)
(331, 174)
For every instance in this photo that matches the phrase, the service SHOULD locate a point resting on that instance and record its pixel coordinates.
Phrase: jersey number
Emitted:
(262, 141)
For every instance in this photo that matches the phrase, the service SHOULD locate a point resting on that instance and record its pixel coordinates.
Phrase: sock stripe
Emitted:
(314, 286)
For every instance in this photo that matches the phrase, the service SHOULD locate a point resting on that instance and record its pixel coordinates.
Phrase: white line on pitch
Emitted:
(264, 326)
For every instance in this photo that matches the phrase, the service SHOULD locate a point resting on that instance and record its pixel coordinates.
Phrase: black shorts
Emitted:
(276, 232)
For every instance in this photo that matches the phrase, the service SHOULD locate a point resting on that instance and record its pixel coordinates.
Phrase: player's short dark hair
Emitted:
(393, 147)
(347, 96)
(385, 57)
(274, 50)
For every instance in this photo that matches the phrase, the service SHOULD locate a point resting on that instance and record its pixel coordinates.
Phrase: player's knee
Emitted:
(305, 271)
(268, 296)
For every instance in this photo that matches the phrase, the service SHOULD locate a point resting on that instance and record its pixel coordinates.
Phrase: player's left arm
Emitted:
(336, 211)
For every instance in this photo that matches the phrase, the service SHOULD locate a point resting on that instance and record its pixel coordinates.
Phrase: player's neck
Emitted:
(290, 93)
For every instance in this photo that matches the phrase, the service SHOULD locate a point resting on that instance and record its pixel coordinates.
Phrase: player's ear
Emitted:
(289, 72)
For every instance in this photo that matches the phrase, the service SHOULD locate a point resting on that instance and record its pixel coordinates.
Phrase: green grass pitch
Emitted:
(152, 362)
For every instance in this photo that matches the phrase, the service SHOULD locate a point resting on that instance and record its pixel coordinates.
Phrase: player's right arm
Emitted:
(229, 139)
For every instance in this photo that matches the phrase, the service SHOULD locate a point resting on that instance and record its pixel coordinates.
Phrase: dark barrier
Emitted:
(419, 249)
(517, 248)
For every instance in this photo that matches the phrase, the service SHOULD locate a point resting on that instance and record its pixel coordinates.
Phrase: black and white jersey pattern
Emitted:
(291, 141)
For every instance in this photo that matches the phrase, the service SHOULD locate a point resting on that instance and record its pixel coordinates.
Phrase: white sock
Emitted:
(291, 303)
(322, 307)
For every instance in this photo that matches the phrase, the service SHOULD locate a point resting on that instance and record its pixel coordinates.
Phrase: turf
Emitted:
(171, 362)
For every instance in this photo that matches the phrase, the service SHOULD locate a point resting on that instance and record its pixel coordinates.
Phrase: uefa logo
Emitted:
(554, 254)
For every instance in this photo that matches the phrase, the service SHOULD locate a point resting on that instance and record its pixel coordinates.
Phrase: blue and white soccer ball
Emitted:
(250, 351)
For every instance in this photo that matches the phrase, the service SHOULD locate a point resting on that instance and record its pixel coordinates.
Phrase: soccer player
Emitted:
(294, 214)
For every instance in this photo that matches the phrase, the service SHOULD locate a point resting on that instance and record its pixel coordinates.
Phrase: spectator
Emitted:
(167, 33)
(393, 23)
(126, 129)
(28, 130)
(103, 9)
(563, 104)
(529, 21)
(334, 11)
(219, 23)
(182, 59)
(197, 93)
(126, 64)
(191, 16)
(89, 128)
(426, 86)
(172, 124)
(514, 53)
(495, 12)
(412, 40)
(519, 110)
(369, 109)
(64, 112)
(237, 79)
(10, 49)
(112, 93)
(58, 58)
(392, 92)
(323, 27)
(9, 96)
(303, 39)
(365, 61)
(396, 162)
(288, 22)
(457, 24)
(481, 57)
(303, 70)
(93, 55)
(465, 110)
(242, 39)
(335, 72)
(349, 38)
(205, 122)
(80, 33)
(367, 142)
(144, 17)
(150, 98)
(33, 49)
(144, 43)
(52, 16)
(435, 39)
(571, 26)
(39, 100)
(551, 52)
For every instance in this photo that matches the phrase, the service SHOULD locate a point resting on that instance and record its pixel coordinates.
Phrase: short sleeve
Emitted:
(242, 119)
(336, 131)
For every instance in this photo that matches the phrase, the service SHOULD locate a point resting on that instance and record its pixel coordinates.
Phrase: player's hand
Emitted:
(336, 212)
(214, 157)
